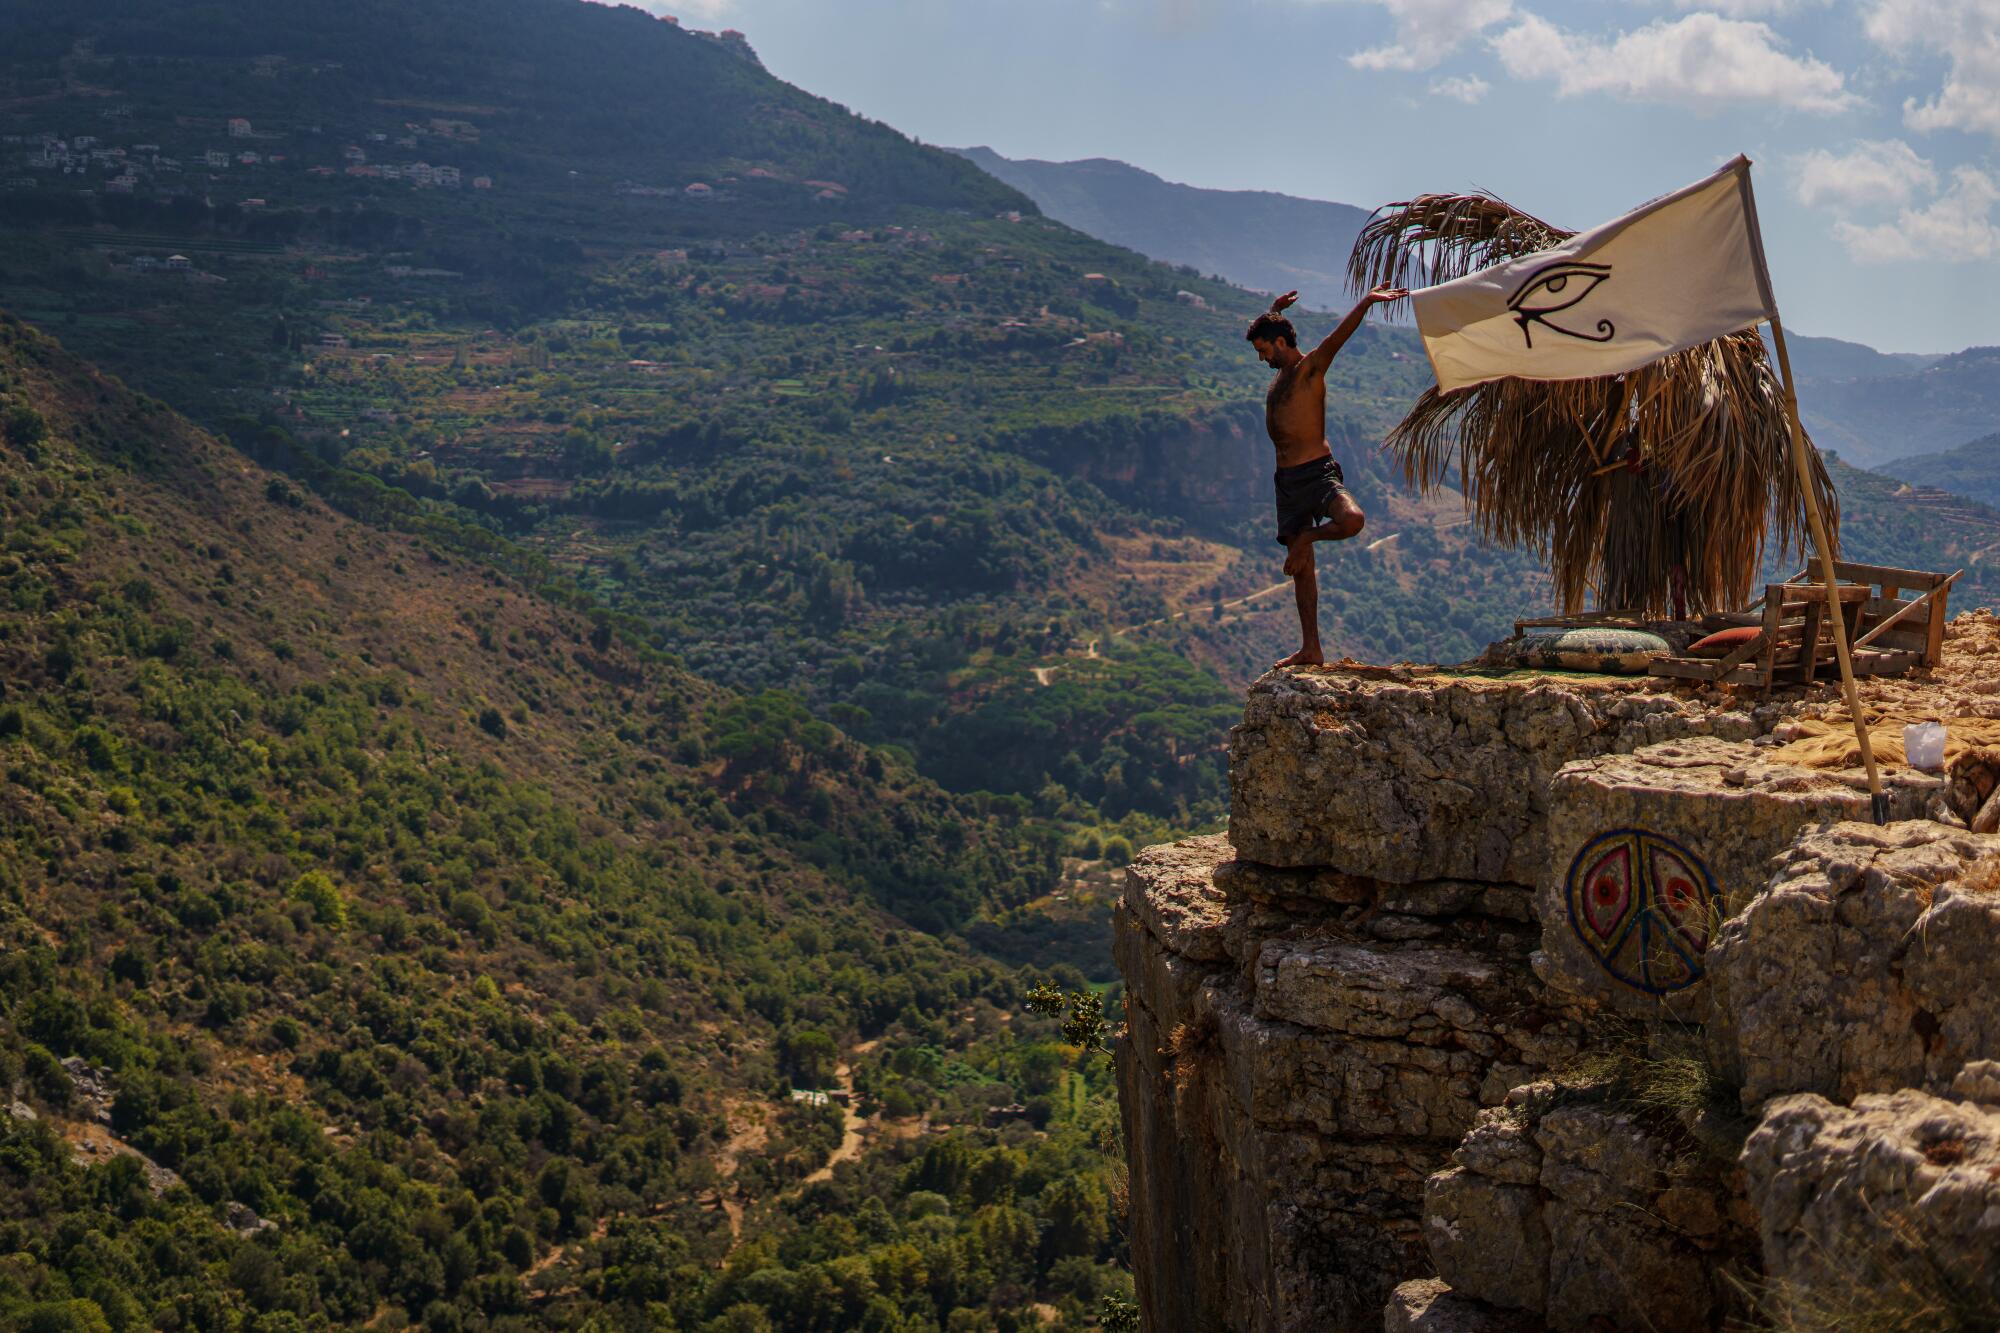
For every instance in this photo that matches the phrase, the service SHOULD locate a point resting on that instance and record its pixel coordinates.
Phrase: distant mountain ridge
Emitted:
(1254, 238)
(1873, 419)
(1868, 405)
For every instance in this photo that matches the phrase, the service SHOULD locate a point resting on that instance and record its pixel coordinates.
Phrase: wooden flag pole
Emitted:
(1878, 799)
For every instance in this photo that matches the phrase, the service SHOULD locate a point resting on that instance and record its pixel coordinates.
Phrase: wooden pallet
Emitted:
(1887, 633)
(1793, 642)
(1892, 623)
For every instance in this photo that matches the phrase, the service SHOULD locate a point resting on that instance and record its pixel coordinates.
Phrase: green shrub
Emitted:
(318, 891)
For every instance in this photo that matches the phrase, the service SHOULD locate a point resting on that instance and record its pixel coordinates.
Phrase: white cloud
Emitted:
(1747, 9)
(1429, 30)
(1956, 227)
(1967, 33)
(1466, 88)
(1874, 173)
(1697, 61)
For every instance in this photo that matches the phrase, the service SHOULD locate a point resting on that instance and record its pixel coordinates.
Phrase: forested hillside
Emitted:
(386, 939)
(874, 435)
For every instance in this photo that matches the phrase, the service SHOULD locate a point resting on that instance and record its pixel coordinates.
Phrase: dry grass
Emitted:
(1910, 1286)
(1188, 1046)
(1982, 876)
(1662, 1071)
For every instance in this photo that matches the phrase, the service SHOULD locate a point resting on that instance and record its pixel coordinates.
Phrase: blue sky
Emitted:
(1874, 124)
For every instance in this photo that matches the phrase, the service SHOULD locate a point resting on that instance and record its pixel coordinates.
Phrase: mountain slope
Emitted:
(1971, 469)
(542, 91)
(1874, 419)
(1254, 238)
(441, 947)
(1818, 359)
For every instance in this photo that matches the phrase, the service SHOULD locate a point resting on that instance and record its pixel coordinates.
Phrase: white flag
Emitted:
(1673, 274)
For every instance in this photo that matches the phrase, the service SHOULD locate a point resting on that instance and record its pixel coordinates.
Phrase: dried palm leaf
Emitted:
(1654, 488)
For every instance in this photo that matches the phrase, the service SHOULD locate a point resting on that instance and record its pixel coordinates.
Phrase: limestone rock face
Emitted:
(1350, 1073)
(1577, 1212)
(1649, 851)
(1430, 777)
(1866, 965)
(1298, 1058)
(1892, 1203)
(1427, 1305)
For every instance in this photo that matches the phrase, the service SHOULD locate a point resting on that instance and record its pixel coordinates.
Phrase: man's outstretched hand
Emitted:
(1283, 301)
(1386, 293)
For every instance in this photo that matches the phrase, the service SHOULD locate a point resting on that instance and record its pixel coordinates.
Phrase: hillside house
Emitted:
(248, 159)
(145, 264)
(216, 158)
(354, 153)
(447, 177)
(121, 184)
(700, 190)
(179, 264)
(422, 173)
(254, 204)
(320, 171)
(390, 171)
(482, 182)
(239, 128)
(82, 142)
(1195, 299)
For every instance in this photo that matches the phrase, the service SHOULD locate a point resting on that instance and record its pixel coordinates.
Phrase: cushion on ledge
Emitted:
(1622, 652)
(1724, 642)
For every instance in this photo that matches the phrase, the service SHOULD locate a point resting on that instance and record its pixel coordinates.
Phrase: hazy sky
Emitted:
(1874, 124)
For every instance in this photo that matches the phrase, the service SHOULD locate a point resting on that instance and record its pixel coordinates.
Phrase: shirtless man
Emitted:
(1313, 506)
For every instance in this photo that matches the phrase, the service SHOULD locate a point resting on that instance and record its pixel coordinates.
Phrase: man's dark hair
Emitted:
(1276, 328)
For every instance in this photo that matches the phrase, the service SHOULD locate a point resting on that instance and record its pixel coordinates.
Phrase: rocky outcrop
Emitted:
(1649, 852)
(1463, 1023)
(1866, 965)
(1406, 775)
(1565, 1205)
(1302, 1050)
(1883, 1214)
(1427, 1305)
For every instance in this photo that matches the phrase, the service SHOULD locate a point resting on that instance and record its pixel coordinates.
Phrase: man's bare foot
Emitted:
(1297, 560)
(1303, 657)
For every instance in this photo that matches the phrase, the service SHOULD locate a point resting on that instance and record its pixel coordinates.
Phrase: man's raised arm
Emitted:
(1322, 356)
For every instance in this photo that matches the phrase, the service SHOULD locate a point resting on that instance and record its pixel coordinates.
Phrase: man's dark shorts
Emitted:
(1307, 495)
